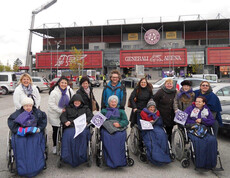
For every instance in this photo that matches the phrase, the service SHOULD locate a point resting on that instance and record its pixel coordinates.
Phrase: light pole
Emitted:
(51, 63)
(58, 46)
(29, 53)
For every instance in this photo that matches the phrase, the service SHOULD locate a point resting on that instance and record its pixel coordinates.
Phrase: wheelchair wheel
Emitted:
(143, 158)
(185, 163)
(172, 156)
(178, 146)
(130, 162)
(99, 162)
(89, 154)
(133, 140)
(59, 135)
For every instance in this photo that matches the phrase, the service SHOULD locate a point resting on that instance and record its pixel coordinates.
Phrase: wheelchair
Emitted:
(59, 146)
(183, 148)
(99, 150)
(137, 146)
(11, 165)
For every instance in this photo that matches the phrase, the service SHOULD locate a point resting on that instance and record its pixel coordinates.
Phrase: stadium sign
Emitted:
(152, 36)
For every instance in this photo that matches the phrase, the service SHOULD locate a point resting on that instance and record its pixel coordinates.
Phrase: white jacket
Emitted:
(19, 95)
(54, 111)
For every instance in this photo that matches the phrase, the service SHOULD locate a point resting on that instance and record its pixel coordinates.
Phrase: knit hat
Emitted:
(186, 82)
(151, 103)
(26, 101)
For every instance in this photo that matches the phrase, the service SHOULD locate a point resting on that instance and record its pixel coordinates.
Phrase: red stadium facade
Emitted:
(181, 46)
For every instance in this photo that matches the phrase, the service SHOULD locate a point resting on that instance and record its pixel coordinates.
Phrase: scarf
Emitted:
(64, 101)
(184, 92)
(28, 90)
(26, 119)
(151, 114)
(112, 112)
(203, 112)
(87, 91)
(166, 90)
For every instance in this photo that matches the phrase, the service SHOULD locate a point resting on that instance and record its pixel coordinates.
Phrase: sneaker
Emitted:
(54, 150)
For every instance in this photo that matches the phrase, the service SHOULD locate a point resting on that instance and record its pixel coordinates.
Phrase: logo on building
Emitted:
(152, 36)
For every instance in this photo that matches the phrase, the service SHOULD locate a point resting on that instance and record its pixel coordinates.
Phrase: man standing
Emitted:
(114, 87)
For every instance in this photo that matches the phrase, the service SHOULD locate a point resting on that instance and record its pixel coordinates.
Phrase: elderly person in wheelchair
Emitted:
(28, 140)
(199, 121)
(113, 135)
(155, 139)
(74, 150)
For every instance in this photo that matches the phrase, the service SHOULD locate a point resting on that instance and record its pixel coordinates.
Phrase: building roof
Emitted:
(190, 26)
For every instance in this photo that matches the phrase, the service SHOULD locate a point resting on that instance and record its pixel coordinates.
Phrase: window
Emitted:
(14, 78)
(36, 80)
(226, 91)
(96, 47)
(3, 78)
(219, 93)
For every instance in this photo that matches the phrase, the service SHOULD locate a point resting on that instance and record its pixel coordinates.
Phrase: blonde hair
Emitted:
(169, 80)
(25, 75)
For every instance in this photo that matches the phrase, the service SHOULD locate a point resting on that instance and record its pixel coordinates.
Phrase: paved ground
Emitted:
(138, 170)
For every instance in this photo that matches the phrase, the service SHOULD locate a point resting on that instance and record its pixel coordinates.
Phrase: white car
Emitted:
(222, 90)
(41, 83)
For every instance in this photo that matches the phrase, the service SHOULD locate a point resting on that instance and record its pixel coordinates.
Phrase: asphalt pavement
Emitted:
(138, 170)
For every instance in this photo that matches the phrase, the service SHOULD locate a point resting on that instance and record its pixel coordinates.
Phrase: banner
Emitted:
(80, 124)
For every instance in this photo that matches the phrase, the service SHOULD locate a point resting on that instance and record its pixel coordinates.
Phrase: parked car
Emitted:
(8, 82)
(0, 90)
(94, 82)
(52, 83)
(41, 83)
(177, 82)
(130, 81)
(225, 114)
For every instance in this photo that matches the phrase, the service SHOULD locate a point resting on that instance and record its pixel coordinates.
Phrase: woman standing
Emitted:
(87, 95)
(213, 103)
(164, 99)
(139, 98)
(26, 89)
(60, 95)
(184, 97)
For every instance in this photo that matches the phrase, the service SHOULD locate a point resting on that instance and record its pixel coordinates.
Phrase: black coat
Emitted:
(87, 100)
(72, 112)
(142, 98)
(164, 102)
(39, 115)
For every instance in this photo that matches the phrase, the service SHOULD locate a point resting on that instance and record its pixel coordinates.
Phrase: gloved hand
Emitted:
(30, 130)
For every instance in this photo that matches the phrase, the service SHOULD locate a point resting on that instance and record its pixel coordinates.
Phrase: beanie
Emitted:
(151, 103)
(26, 101)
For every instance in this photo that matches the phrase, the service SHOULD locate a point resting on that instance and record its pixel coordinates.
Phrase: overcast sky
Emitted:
(15, 17)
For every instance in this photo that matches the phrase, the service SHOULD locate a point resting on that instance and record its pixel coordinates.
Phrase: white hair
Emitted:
(113, 97)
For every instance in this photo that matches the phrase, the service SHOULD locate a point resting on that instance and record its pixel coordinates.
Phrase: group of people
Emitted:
(202, 107)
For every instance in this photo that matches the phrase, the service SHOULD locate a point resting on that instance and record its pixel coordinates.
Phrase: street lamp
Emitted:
(58, 46)
(51, 60)
(29, 53)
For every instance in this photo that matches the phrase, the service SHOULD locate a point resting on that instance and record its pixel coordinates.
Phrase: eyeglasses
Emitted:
(205, 85)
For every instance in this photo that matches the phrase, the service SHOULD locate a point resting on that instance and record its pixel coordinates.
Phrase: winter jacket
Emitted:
(183, 102)
(72, 112)
(54, 111)
(119, 90)
(213, 103)
(19, 95)
(142, 97)
(87, 100)
(123, 121)
(164, 102)
(144, 116)
(40, 116)
(204, 114)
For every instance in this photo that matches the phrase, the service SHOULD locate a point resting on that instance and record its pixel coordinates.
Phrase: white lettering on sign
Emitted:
(154, 58)
(64, 59)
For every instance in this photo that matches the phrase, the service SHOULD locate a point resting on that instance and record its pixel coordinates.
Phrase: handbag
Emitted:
(94, 105)
(129, 103)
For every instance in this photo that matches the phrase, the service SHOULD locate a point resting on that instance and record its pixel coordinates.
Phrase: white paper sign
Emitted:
(180, 117)
(146, 125)
(98, 119)
(80, 124)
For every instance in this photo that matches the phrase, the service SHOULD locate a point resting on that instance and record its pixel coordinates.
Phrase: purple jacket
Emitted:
(194, 113)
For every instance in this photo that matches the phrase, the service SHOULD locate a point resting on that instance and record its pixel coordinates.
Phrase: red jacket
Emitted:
(144, 116)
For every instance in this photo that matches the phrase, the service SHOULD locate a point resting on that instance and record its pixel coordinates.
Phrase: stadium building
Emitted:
(173, 48)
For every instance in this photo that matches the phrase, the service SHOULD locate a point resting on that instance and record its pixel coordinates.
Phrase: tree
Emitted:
(196, 66)
(2, 67)
(77, 62)
(8, 68)
(17, 62)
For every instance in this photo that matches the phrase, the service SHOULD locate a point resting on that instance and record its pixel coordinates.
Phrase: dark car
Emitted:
(94, 82)
(130, 81)
(225, 114)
